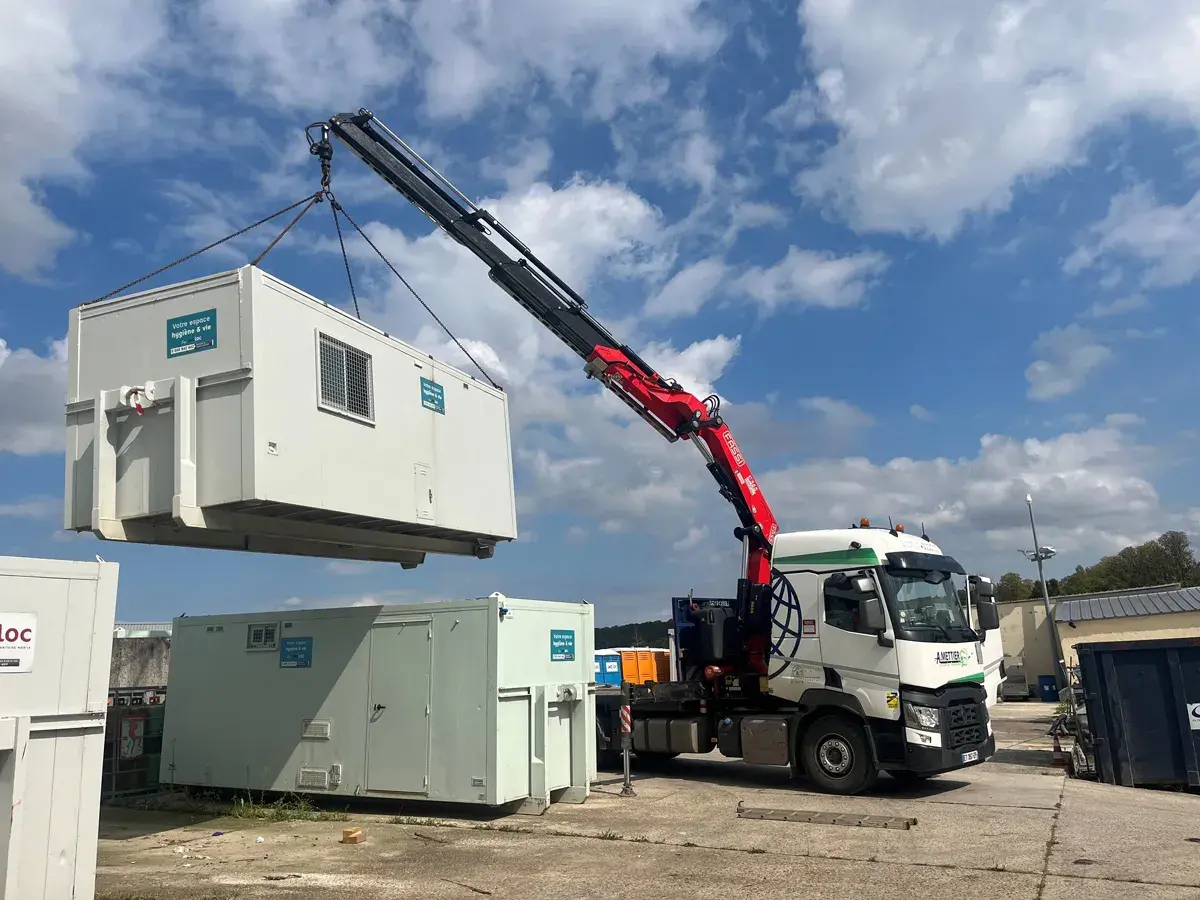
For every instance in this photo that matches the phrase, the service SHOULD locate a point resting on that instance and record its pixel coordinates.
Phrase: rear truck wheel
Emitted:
(836, 757)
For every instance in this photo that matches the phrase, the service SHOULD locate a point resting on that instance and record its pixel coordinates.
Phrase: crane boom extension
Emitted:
(668, 407)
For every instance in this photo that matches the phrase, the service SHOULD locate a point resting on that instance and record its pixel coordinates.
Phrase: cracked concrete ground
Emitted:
(1013, 828)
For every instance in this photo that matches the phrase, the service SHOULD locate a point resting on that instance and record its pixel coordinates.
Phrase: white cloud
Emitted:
(943, 109)
(1123, 420)
(70, 71)
(812, 278)
(799, 111)
(463, 53)
(1066, 357)
(917, 411)
(32, 508)
(1104, 308)
(1091, 487)
(695, 536)
(33, 389)
(688, 290)
(1163, 237)
(698, 366)
(843, 420)
(518, 165)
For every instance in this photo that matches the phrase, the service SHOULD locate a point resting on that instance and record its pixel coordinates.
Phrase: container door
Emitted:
(398, 719)
(423, 487)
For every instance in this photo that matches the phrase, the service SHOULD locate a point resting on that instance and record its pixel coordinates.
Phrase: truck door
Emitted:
(852, 656)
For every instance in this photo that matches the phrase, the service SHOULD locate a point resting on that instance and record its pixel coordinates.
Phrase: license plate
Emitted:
(970, 756)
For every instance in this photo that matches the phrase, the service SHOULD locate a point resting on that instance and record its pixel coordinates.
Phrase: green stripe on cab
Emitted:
(977, 677)
(831, 558)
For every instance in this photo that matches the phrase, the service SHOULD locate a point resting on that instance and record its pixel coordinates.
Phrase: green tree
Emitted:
(1010, 587)
(1166, 560)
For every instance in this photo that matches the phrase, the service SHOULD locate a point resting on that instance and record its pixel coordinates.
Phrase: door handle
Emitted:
(378, 707)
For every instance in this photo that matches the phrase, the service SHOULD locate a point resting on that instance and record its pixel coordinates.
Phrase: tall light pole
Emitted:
(1039, 555)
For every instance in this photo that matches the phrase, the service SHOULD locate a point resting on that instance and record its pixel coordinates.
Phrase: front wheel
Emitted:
(836, 756)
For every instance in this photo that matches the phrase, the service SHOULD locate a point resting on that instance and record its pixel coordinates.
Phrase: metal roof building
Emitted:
(1126, 604)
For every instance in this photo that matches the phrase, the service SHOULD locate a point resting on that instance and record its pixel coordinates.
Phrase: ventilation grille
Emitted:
(346, 379)
(316, 730)
(313, 779)
(262, 636)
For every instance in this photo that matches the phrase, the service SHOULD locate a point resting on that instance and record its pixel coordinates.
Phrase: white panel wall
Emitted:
(52, 716)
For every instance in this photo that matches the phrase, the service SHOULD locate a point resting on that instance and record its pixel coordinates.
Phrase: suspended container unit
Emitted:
(56, 622)
(237, 412)
(485, 702)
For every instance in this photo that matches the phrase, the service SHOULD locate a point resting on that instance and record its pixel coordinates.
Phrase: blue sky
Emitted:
(932, 258)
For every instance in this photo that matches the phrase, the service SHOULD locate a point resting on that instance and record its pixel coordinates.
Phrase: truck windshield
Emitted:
(924, 606)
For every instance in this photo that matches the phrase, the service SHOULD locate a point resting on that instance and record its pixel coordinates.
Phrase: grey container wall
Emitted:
(274, 422)
(448, 701)
(1143, 710)
(53, 701)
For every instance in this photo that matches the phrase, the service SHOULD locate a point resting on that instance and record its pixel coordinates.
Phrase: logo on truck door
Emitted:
(952, 657)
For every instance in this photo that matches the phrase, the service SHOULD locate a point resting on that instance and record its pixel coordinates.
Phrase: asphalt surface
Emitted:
(1015, 828)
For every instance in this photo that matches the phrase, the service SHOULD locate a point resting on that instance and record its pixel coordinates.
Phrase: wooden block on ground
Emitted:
(352, 836)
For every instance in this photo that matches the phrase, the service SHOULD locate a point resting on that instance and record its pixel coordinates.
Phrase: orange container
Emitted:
(641, 665)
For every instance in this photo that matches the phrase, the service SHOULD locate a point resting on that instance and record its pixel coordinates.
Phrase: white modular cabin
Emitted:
(486, 701)
(237, 412)
(56, 624)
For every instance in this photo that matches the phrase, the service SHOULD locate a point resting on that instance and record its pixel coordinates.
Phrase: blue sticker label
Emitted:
(562, 645)
(191, 333)
(433, 396)
(296, 653)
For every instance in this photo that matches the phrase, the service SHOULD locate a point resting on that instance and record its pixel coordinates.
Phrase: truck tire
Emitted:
(836, 757)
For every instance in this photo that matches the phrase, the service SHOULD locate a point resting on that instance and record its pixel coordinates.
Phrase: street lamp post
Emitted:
(1039, 555)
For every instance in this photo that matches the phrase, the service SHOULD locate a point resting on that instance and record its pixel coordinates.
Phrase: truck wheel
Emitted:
(836, 756)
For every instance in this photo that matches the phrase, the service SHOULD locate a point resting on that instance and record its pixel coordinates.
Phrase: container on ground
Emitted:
(1143, 710)
(56, 621)
(641, 664)
(608, 667)
(237, 412)
(485, 701)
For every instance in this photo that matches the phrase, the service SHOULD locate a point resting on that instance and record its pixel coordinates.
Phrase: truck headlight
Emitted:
(925, 717)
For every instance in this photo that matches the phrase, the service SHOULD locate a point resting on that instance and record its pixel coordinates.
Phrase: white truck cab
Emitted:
(869, 620)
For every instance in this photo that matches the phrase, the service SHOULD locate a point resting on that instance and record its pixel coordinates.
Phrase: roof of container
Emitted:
(1118, 605)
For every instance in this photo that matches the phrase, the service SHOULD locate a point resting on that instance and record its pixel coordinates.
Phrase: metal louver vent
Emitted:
(316, 730)
(313, 779)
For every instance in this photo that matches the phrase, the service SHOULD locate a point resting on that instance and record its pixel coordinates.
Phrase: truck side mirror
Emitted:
(989, 615)
(870, 611)
(985, 589)
(864, 586)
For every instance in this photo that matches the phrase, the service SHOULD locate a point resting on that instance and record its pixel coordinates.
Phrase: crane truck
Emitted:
(840, 654)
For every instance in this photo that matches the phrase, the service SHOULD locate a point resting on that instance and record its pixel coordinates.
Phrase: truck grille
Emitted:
(965, 714)
(966, 724)
(971, 734)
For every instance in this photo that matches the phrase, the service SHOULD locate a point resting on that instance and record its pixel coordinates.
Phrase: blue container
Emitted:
(1048, 688)
(607, 669)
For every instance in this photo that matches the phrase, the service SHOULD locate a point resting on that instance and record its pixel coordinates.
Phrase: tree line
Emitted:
(1168, 559)
(637, 634)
